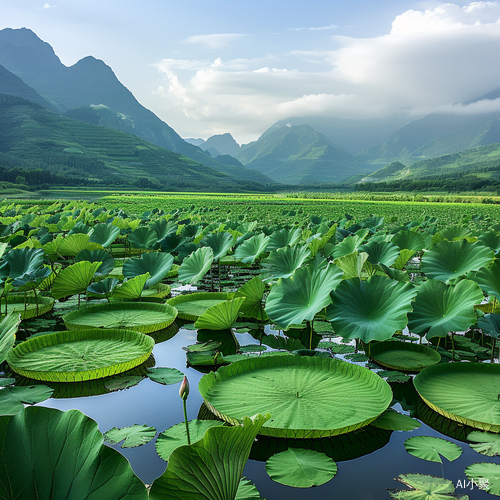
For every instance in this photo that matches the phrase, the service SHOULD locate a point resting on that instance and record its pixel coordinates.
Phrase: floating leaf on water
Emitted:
(165, 376)
(430, 448)
(133, 436)
(487, 443)
(425, 488)
(395, 421)
(487, 474)
(301, 468)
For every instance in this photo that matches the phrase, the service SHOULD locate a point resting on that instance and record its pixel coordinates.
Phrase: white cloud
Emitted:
(47, 6)
(432, 60)
(214, 41)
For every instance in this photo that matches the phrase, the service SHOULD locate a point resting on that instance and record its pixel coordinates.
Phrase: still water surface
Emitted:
(363, 478)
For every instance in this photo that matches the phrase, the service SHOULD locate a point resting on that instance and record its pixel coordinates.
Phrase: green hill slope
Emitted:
(297, 154)
(483, 161)
(32, 137)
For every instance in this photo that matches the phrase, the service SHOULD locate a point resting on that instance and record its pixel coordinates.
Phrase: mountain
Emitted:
(354, 135)
(415, 135)
(482, 161)
(13, 85)
(297, 154)
(34, 139)
(224, 143)
(90, 82)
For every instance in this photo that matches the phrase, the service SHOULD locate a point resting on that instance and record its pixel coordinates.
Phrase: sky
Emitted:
(209, 67)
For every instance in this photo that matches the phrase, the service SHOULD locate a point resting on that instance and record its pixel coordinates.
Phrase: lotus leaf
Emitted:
(176, 436)
(490, 239)
(409, 240)
(23, 261)
(133, 436)
(490, 324)
(32, 280)
(487, 443)
(432, 448)
(425, 488)
(404, 356)
(80, 355)
(104, 234)
(452, 233)
(300, 297)
(451, 259)
(486, 476)
(395, 421)
(308, 396)
(250, 250)
(12, 398)
(247, 491)
(283, 262)
(140, 316)
(488, 279)
(131, 289)
(74, 279)
(349, 244)
(301, 468)
(439, 308)
(220, 316)
(46, 466)
(143, 238)
(8, 329)
(191, 306)
(352, 264)
(156, 264)
(464, 392)
(283, 238)
(194, 267)
(107, 262)
(252, 291)
(370, 310)
(163, 228)
(73, 244)
(404, 256)
(220, 243)
(211, 468)
(165, 376)
(104, 287)
(383, 252)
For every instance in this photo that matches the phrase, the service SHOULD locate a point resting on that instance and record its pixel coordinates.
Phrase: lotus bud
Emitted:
(184, 390)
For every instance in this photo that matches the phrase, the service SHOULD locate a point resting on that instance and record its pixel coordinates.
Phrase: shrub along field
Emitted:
(323, 328)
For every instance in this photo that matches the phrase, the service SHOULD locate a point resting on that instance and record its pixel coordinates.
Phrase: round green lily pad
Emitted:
(80, 354)
(145, 317)
(191, 306)
(307, 397)
(404, 356)
(468, 393)
(26, 308)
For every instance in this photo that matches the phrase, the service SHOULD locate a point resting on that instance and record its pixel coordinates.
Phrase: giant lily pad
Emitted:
(28, 308)
(465, 392)
(80, 355)
(62, 456)
(191, 306)
(143, 317)
(306, 396)
(404, 356)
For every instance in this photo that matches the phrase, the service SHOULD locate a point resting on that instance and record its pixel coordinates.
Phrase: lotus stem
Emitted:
(437, 345)
(186, 421)
(452, 347)
(493, 350)
(310, 324)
